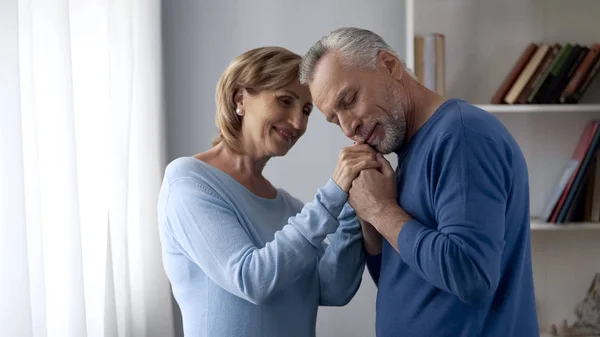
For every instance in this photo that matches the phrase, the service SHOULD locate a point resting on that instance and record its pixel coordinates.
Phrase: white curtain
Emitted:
(81, 157)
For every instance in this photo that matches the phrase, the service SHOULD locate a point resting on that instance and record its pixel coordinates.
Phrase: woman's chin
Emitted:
(279, 149)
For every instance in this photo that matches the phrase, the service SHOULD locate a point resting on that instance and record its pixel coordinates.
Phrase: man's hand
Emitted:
(352, 160)
(373, 189)
(374, 198)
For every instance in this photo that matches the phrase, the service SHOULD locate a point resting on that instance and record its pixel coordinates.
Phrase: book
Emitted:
(567, 73)
(559, 76)
(527, 73)
(419, 50)
(591, 75)
(551, 73)
(430, 61)
(537, 76)
(577, 186)
(510, 79)
(538, 92)
(566, 180)
(581, 72)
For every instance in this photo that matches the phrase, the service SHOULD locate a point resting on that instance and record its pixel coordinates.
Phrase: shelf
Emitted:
(533, 108)
(537, 225)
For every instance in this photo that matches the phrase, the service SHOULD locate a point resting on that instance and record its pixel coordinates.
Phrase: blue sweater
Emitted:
(242, 265)
(464, 261)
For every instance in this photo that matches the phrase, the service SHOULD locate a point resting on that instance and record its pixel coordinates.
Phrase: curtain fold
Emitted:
(82, 157)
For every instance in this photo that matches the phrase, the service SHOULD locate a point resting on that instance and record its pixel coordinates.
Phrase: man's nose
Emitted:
(349, 126)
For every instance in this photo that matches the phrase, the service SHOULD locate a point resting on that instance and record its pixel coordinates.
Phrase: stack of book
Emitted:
(576, 195)
(550, 74)
(430, 61)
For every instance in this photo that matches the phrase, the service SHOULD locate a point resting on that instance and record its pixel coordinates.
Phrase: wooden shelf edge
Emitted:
(537, 225)
(533, 108)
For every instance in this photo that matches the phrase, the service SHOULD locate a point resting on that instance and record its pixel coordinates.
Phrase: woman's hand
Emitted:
(351, 161)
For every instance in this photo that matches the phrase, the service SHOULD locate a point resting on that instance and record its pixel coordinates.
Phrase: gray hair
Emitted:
(358, 46)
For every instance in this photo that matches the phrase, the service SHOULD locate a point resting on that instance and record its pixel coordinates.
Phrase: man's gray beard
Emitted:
(394, 126)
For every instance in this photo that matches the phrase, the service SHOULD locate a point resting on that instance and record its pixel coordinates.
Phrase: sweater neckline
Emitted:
(236, 183)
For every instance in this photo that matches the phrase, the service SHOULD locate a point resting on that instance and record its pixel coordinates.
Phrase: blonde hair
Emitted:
(265, 68)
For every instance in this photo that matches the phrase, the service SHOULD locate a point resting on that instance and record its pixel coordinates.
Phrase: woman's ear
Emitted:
(238, 99)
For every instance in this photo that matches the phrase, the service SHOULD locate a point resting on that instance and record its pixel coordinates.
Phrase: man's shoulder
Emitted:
(460, 119)
(458, 114)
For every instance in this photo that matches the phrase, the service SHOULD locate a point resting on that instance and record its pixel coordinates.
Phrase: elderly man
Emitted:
(447, 234)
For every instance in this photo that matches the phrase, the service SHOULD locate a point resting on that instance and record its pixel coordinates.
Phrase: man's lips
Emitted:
(370, 137)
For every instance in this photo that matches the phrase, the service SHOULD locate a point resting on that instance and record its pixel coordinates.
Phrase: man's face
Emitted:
(365, 103)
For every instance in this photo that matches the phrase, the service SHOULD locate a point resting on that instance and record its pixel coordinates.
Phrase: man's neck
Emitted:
(421, 105)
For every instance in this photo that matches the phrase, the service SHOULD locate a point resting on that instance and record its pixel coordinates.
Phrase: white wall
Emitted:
(199, 40)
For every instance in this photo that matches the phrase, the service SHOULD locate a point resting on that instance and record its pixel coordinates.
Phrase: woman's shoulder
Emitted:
(193, 170)
(186, 168)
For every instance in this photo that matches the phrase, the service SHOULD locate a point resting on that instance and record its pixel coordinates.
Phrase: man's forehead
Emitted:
(329, 78)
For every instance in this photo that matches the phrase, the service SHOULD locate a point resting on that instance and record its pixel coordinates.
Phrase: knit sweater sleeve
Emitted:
(208, 232)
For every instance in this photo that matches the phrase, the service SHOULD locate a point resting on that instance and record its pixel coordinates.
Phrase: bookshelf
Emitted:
(537, 225)
(540, 108)
(482, 42)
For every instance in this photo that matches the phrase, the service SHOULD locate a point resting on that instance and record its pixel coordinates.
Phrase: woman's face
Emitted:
(274, 120)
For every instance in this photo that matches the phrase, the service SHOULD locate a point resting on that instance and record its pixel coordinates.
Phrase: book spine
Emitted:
(514, 73)
(526, 74)
(537, 94)
(429, 62)
(580, 73)
(537, 76)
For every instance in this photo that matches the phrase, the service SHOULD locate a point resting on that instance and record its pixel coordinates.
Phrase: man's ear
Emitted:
(391, 64)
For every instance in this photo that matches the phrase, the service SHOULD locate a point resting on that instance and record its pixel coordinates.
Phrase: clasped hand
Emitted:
(368, 178)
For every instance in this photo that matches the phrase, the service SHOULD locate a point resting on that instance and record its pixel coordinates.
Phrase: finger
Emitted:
(353, 151)
(386, 168)
(360, 147)
(357, 156)
(361, 165)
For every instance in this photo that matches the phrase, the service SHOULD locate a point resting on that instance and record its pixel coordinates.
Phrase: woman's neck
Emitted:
(247, 164)
(244, 168)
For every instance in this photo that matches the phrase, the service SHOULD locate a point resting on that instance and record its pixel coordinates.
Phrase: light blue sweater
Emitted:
(242, 265)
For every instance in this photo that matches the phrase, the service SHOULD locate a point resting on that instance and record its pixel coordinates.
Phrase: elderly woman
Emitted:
(245, 258)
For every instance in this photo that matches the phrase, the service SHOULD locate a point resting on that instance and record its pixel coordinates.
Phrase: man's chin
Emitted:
(385, 148)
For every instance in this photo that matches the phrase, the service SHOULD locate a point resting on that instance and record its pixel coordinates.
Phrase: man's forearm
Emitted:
(389, 222)
(372, 240)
